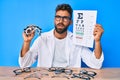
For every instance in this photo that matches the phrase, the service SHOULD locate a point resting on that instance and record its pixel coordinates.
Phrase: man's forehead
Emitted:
(62, 13)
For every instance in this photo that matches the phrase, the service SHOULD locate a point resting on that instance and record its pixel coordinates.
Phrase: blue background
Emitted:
(15, 15)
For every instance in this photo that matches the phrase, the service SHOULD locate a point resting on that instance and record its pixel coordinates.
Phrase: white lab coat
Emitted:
(43, 51)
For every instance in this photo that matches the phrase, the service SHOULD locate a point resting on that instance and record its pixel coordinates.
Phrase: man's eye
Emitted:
(65, 17)
(57, 16)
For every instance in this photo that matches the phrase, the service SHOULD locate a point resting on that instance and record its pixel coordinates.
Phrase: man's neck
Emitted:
(60, 36)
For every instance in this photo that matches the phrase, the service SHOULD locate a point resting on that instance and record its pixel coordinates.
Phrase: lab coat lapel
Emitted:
(67, 51)
(68, 47)
(51, 47)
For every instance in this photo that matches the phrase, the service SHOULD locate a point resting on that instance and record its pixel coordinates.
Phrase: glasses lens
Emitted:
(27, 69)
(91, 73)
(83, 72)
(66, 18)
(57, 18)
(68, 71)
(52, 69)
(17, 71)
(85, 77)
(75, 75)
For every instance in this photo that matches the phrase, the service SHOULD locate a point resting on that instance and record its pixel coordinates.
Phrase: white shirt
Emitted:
(43, 51)
(59, 57)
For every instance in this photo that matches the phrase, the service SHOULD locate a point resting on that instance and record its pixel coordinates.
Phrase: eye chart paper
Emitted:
(83, 25)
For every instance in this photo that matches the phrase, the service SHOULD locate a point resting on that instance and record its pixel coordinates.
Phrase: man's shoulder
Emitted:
(48, 33)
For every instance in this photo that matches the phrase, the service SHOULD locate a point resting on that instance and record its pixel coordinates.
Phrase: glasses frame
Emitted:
(64, 18)
(59, 70)
(20, 71)
(87, 75)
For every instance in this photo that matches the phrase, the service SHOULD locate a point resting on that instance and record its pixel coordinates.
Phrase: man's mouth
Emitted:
(60, 26)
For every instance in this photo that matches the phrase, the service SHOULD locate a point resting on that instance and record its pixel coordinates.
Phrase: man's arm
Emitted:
(97, 36)
(98, 50)
(25, 48)
(26, 43)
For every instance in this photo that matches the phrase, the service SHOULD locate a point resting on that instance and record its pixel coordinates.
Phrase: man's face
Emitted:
(62, 21)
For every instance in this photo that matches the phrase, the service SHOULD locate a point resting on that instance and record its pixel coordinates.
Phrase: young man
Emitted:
(56, 49)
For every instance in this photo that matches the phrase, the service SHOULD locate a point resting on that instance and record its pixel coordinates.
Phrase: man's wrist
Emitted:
(98, 41)
(27, 42)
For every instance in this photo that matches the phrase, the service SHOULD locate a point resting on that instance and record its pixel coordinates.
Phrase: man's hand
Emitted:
(28, 38)
(98, 30)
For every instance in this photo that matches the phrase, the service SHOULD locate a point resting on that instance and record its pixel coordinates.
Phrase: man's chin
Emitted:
(60, 30)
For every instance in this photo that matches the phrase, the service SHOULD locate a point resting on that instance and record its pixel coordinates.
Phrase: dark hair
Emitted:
(66, 7)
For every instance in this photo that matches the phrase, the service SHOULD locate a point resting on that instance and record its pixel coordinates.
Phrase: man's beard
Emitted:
(60, 31)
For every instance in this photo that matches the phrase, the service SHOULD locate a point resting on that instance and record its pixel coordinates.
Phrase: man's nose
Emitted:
(61, 20)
